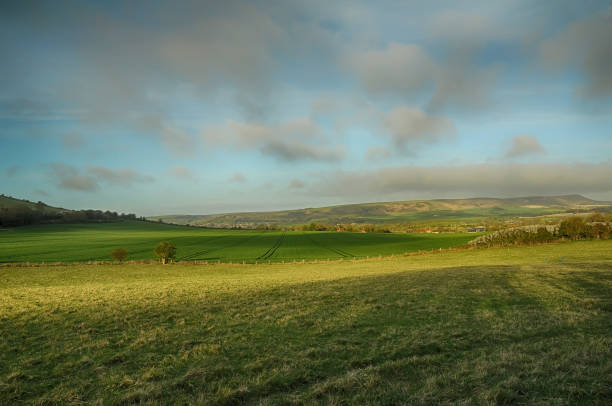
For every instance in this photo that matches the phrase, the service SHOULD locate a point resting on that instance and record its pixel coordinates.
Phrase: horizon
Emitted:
(336, 205)
(200, 107)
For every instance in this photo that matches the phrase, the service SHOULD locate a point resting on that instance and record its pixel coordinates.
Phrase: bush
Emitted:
(119, 254)
(573, 228)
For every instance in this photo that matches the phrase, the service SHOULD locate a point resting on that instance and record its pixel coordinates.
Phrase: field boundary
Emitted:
(245, 263)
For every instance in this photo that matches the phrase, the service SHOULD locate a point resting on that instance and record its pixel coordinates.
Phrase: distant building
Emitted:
(477, 230)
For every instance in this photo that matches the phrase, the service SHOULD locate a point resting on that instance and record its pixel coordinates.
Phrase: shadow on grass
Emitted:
(464, 334)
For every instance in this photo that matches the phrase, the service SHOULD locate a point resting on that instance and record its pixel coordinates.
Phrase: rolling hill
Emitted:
(8, 202)
(401, 211)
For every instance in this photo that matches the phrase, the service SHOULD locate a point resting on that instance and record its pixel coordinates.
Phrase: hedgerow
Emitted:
(573, 228)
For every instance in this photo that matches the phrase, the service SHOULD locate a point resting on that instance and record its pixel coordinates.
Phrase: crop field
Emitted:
(85, 242)
(527, 325)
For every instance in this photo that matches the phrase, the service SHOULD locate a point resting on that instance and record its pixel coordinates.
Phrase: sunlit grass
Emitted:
(529, 325)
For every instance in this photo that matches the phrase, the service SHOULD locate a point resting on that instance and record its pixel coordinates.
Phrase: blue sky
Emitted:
(201, 107)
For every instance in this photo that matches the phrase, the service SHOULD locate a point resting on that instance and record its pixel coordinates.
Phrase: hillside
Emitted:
(8, 202)
(402, 211)
(20, 212)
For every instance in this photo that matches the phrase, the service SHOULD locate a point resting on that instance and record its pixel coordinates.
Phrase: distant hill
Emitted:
(402, 211)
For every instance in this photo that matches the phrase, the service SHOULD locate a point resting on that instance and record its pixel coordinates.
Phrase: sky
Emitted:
(196, 107)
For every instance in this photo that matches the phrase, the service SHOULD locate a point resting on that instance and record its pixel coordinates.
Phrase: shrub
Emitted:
(119, 254)
(573, 228)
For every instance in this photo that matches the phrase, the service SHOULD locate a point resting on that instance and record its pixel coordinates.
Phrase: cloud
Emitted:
(584, 45)
(237, 177)
(523, 145)
(70, 177)
(73, 141)
(296, 151)
(117, 70)
(290, 141)
(182, 172)
(456, 78)
(296, 184)
(404, 68)
(378, 153)
(123, 177)
(511, 179)
(179, 142)
(409, 126)
(11, 171)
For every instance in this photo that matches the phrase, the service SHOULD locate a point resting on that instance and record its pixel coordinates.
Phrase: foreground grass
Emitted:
(529, 325)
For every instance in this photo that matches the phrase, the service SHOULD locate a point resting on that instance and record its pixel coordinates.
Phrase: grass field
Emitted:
(529, 325)
(84, 242)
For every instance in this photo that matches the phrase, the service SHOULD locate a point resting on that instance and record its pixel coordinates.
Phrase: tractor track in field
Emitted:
(342, 253)
(209, 250)
(273, 248)
(197, 253)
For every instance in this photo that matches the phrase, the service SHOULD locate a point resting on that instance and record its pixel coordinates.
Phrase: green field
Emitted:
(529, 325)
(95, 241)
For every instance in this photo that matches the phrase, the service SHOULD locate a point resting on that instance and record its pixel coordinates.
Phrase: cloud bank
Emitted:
(512, 179)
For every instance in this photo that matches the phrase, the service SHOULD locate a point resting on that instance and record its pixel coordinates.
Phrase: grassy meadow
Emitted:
(527, 325)
(95, 241)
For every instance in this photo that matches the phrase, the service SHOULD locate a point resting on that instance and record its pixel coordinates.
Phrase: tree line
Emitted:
(22, 215)
(596, 226)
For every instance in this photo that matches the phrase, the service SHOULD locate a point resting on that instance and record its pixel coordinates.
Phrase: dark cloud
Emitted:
(294, 140)
(70, 177)
(465, 181)
(118, 69)
(295, 151)
(404, 68)
(585, 45)
(408, 126)
(523, 145)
